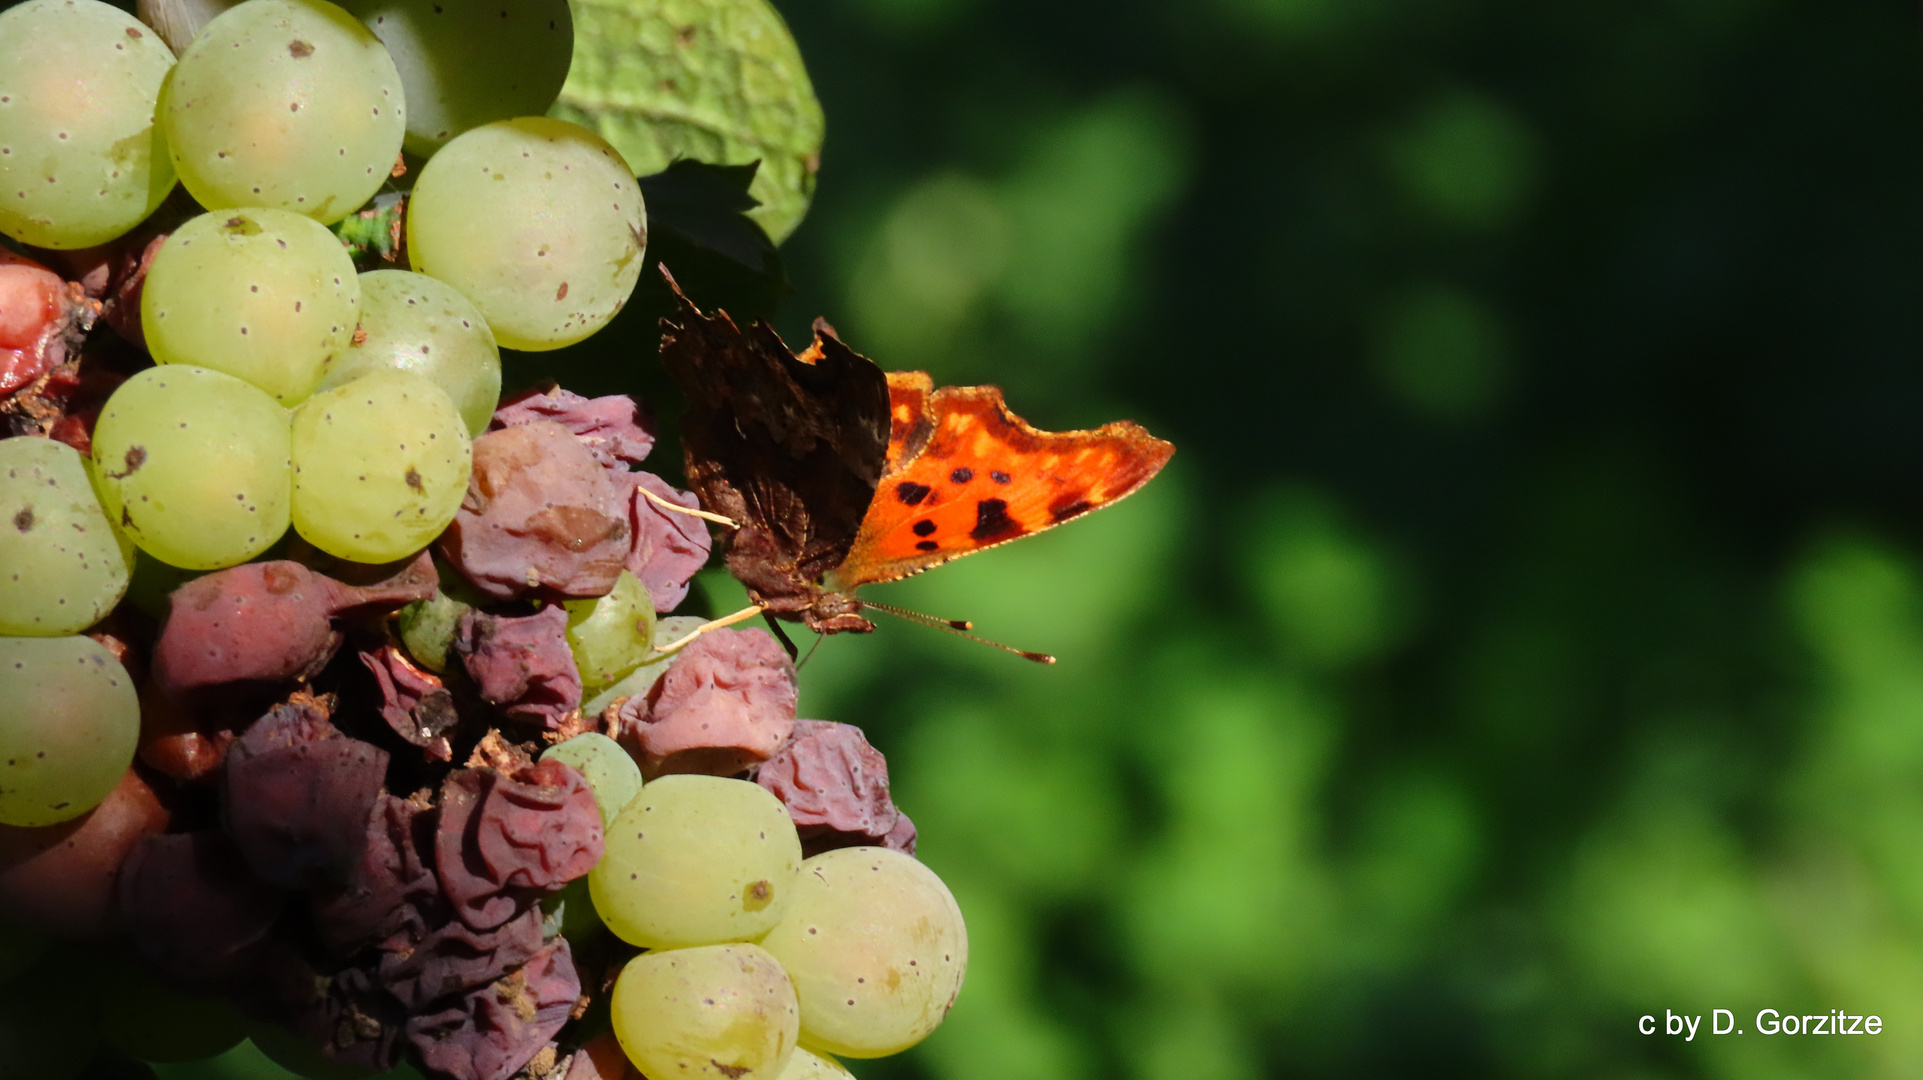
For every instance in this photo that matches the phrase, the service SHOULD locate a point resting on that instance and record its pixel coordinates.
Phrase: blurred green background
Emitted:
(1528, 634)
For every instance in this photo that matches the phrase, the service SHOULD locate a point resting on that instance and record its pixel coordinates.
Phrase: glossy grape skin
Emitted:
(696, 860)
(69, 721)
(81, 159)
(263, 295)
(464, 65)
(611, 635)
(193, 465)
(877, 950)
(537, 221)
(608, 769)
(807, 1065)
(412, 322)
(380, 466)
(713, 1011)
(63, 567)
(290, 104)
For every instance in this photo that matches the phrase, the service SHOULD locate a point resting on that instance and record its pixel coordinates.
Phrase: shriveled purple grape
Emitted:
(194, 908)
(522, 666)
(59, 879)
(726, 702)
(415, 703)
(504, 840)
(393, 893)
(665, 548)
(495, 1030)
(298, 794)
(834, 784)
(454, 958)
(614, 429)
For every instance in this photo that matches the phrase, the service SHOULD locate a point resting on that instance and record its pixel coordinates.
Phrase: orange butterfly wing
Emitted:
(965, 474)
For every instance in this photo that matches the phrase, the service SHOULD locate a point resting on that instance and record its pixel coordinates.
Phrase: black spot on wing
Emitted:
(1063, 509)
(961, 476)
(1000, 477)
(992, 521)
(911, 493)
(926, 545)
(924, 527)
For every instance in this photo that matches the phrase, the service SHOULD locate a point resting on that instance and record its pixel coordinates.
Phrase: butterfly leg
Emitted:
(781, 635)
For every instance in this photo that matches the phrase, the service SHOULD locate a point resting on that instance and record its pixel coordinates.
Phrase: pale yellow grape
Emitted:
(696, 860)
(876, 947)
(81, 160)
(611, 635)
(609, 770)
(69, 720)
(724, 1011)
(193, 465)
(290, 104)
(380, 466)
(62, 566)
(537, 221)
(412, 322)
(806, 1065)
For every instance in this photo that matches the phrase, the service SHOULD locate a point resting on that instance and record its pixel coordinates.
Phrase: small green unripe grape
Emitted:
(263, 295)
(696, 860)
(69, 721)
(611, 635)
(412, 322)
(723, 1011)
(63, 566)
(641, 679)
(380, 466)
(465, 65)
(537, 221)
(609, 770)
(877, 950)
(193, 466)
(81, 160)
(428, 627)
(290, 104)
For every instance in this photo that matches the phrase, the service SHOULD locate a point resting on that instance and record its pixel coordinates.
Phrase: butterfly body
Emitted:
(841, 476)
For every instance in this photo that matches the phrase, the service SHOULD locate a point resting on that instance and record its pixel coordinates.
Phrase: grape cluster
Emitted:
(343, 705)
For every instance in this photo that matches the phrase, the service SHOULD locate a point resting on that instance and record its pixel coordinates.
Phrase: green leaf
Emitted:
(719, 81)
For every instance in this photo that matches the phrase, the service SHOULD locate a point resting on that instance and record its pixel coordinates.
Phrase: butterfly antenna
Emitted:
(743, 615)
(958, 627)
(679, 509)
(803, 662)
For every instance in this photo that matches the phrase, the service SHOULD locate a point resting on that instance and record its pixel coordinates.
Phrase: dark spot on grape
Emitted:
(133, 33)
(1000, 477)
(293, 106)
(24, 519)
(757, 896)
(135, 458)
(562, 292)
(414, 480)
(924, 527)
(992, 521)
(299, 50)
(911, 493)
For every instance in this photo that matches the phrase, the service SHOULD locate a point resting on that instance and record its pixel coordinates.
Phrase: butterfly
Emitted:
(841, 476)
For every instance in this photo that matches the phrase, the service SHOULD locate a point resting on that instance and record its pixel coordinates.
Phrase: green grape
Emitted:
(877, 950)
(805, 1065)
(718, 1010)
(641, 679)
(465, 65)
(696, 860)
(611, 635)
(263, 295)
(62, 565)
(143, 1019)
(69, 719)
(193, 464)
(412, 322)
(607, 768)
(428, 627)
(380, 466)
(537, 221)
(290, 104)
(81, 160)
